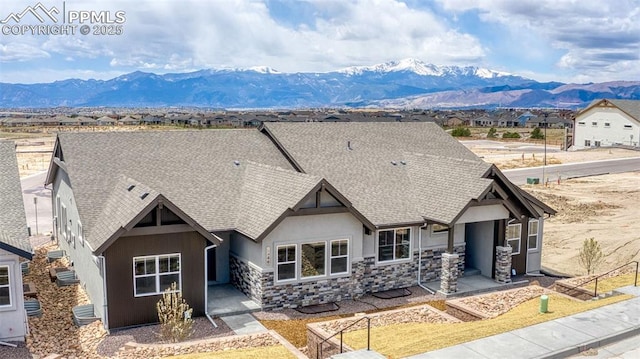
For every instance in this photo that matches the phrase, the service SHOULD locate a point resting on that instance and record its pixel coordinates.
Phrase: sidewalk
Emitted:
(559, 338)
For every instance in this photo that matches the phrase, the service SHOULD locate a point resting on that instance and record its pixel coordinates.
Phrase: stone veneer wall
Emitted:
(503, 264)
(365, 278)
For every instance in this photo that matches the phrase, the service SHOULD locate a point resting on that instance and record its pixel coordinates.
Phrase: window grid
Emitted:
(513, 237)
(339, 256)
(286, 262)
(5, 287)
(533, 234)
(152, 275)
(394, 244)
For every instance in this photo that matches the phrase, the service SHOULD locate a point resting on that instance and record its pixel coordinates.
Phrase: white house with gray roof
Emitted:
(292, 214)
(14, 244)
(607, 122)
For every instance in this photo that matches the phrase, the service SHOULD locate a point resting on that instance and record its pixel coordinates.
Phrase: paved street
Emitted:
(565, 171)
(32, 187)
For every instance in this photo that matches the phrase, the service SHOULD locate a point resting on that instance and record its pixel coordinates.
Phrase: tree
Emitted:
(461, 132)
(591, 255)
(536, 134)
(492, 133)
(510, 135)
(174, 314)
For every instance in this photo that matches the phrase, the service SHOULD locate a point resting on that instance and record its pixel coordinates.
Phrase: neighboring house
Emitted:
(14, 243)
(607, 123)
(292, 214)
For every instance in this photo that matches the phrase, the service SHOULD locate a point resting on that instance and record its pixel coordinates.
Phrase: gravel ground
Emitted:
(20, 352)
(202, 329)
(366, 303)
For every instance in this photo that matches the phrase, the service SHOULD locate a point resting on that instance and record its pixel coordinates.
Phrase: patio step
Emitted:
(471, 271)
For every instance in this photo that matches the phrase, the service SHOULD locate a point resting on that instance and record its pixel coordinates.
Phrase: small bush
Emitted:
(492, 133)
(174, 314)
(590, 255)
(461, 132)
(510, 135)
(536, 134)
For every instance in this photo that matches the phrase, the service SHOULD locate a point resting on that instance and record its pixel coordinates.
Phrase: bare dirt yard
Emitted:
(602, 207)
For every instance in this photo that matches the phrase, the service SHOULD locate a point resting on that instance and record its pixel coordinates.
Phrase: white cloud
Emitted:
(21, 52)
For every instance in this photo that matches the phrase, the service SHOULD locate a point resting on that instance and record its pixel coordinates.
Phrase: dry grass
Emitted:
(277, 351)
(295, 330)
(402, 340)
(609, 284)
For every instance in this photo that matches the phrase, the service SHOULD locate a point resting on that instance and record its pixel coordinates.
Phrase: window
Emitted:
(286, 265)
(587, 143)
(312, 259)
(393, 244)
(339, 256)
(628, 127)
(153, 274)
(597, 143)
(58, 213)
(581, 123)
(533, 234)
(594, 124)
(607, 124)
(63, 221)
(5, 287)
(439, 228)
(513, 237)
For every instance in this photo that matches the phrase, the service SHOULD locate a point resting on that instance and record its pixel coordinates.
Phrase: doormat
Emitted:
(393, 293)
(318, 308)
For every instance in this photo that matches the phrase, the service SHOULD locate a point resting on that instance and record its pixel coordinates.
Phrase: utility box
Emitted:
(533, 180)
(544, 303)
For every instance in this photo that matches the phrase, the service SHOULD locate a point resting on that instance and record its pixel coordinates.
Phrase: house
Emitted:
(14, 244)
(292, 214)
(607, 122)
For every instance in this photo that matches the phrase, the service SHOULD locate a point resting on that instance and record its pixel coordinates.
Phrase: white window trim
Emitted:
(156, 274)
(331, 256)
(295, 263)
(326, 265)
(537, 234)
(298, 260)
(8, 285)
(393, 261)
(519, 238)
(80, 234)
(63, 222)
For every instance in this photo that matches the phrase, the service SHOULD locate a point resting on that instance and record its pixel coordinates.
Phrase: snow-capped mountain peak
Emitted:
(263, 70)
(420, 68)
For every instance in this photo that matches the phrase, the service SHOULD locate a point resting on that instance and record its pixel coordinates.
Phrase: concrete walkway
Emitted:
(243, 324)
(558, 338)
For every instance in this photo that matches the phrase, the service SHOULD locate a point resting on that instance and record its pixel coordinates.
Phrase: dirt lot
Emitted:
(602, 207)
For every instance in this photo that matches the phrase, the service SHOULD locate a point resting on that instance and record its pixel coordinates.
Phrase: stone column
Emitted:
(449, 276)
(503, 264)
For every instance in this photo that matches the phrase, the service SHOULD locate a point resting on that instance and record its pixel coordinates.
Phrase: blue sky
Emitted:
(561, 40)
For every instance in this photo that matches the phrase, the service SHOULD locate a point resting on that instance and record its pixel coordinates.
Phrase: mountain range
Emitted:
(407, 83)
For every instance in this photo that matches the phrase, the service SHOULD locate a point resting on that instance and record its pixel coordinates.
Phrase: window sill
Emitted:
(393, 261)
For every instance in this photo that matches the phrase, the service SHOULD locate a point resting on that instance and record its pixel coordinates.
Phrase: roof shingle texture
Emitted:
(13, 222)
(195, 170)
(392, 173)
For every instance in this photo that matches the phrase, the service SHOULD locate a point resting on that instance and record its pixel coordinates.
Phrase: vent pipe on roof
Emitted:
(349, 146)
(394, 163)
(236, 162)
(403, 162)
(144, 195)
(131, 187)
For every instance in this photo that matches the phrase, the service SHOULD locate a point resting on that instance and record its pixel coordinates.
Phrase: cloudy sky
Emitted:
(563, 40)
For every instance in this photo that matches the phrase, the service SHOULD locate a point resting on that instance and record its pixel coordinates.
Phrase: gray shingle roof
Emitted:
(13, 223)
(195, 170)
(632, 107)
(438, 178)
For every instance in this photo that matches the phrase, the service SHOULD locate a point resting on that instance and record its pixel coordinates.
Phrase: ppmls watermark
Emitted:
(60, 20)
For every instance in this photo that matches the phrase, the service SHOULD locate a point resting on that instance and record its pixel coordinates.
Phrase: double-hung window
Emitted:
(393, 244)
(533, 235)
(152, 275)
(286, 265)
(5, 287)
(513, 237)
(339, 256)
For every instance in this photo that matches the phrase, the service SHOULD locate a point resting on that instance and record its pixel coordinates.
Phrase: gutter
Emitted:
(105, 308)
(206, 284)
(420, 259)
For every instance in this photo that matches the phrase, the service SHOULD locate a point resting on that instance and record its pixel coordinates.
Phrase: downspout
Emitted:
(105, 308)
(206, 284)
(420, 259)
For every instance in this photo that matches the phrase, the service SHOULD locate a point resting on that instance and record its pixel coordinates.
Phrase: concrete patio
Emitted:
(474, 284)
(225, 300)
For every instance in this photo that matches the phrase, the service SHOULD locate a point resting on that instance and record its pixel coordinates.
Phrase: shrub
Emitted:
(590, 255)
(510, 135)
(492, 133)
(461, 132)
(174, 314)
(536, 134)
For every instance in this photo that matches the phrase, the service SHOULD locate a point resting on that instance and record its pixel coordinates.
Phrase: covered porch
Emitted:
(226, 300)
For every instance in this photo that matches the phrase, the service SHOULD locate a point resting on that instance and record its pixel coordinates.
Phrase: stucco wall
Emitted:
(615, 133)
(87, 265)
(12, 318)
